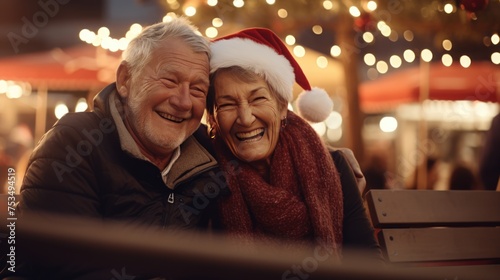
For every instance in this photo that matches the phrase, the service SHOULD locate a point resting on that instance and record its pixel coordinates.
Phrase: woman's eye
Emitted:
(225, 105)
(259, 98)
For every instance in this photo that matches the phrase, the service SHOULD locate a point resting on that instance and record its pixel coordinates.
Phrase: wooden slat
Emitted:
(423, 208)
(484, 272)
(171, 254)
(441, 244)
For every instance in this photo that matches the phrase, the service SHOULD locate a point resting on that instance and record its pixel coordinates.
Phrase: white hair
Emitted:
(138, 52)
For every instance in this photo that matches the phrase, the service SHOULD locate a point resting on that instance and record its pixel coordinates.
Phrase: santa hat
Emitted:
(263, 52)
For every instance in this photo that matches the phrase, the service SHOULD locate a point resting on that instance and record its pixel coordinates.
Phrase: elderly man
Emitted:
(140, 155)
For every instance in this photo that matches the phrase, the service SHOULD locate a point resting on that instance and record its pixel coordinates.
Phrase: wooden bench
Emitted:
(456, 231)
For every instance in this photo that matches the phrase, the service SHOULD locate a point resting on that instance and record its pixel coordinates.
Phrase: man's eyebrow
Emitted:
(205, 81)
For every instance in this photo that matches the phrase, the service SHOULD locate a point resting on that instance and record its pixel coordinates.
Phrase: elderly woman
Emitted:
(284, 183)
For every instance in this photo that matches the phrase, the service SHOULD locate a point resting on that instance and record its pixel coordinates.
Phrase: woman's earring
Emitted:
(211, 133)
(284, 122)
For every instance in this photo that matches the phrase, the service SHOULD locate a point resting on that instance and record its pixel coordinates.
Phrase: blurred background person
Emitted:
(489, 165)
(462, 177)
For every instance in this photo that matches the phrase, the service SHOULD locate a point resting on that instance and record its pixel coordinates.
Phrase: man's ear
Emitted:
(123, 78)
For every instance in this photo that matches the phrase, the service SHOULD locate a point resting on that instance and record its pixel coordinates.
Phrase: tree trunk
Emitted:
(353, 119)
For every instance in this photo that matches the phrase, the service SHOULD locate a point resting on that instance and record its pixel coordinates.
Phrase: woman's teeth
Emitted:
(243, 136)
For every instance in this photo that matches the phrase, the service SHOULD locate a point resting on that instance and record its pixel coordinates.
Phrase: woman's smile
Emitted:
(250, 136)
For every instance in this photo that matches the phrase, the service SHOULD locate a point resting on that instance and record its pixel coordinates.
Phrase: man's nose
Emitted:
(182, 100)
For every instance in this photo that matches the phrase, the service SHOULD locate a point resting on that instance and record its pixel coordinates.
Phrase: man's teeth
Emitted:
(251, 134)
(170, 117)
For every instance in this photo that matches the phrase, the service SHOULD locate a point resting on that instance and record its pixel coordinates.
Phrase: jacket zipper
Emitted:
(171, 198)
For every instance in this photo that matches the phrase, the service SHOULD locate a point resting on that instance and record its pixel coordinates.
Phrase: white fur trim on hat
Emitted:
(259, 58)
(314, 105)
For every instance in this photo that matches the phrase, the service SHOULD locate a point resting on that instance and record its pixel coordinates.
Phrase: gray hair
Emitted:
(138, 52)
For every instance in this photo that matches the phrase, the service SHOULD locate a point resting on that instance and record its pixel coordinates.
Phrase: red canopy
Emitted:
(78, 68)
(481, 81)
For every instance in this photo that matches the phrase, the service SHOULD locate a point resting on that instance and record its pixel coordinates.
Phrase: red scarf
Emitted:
(302, 202)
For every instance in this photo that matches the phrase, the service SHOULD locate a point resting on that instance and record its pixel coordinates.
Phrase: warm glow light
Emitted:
(334, 120)
(369, 59)
(84, 34)
(270, 2)
(393, 36)
(14, 91)
(61, 110)
(81, 105)
(495, 58)
(386, 31)
(447, 60)
(334, 134)
(372, 74)
(282, 13)
(299, 51)
(167, 18)
(426, 55)
(408, 35)
(91, 37)
(328, 5)
(97, 41)
(409, 56)
(448, 8)
(371, 6)
(388, 124)
(395, 61)
(238, 3)
(335, 51)
(368, 37)
(317, 29)
(190, 11)
(322, 62)
(212, 3)
(211, 32)
(320, 128)
(3, 86)
(384, 28)
(381, 24)
(447, 45)
(136, 28)
(495, 39)
(290, 40)
(465, 61)
(123, 43)
(382, 67)
(114, 46)
(174, 5)
(354, 11)
(217, 22)
(103, 32)
(106, 42)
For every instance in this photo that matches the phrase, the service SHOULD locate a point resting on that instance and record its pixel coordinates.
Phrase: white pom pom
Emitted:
(314, 105)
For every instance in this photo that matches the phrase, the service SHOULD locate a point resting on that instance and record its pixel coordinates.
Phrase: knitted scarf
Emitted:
(302, 201)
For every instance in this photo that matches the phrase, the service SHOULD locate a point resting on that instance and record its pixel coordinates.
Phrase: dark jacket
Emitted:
(357, 231)
(79, 168)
